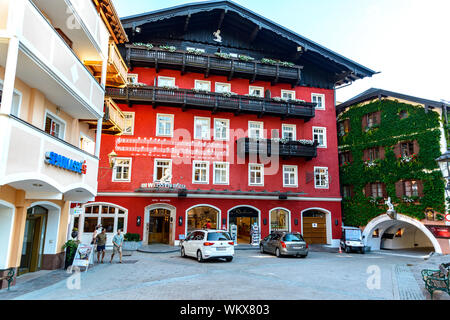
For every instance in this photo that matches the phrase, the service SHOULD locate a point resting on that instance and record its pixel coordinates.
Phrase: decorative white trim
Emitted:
(219, 217)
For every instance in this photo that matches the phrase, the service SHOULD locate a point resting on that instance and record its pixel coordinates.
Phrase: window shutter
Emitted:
(364, 122)
(384, 190)
(420, 188)
(347, 126)
(416, 147)
(367, 190)
(350, 156)
(399, 189)
(397, 150)
(366, 155)
(378, 116)
(382, 153)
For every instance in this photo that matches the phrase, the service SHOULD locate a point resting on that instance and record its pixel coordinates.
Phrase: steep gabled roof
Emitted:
(350, 69)
(374, 93)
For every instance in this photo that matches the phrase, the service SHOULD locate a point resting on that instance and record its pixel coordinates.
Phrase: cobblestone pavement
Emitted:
(251, 275)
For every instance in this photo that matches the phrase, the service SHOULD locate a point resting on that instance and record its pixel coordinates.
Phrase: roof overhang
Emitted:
(112, 21)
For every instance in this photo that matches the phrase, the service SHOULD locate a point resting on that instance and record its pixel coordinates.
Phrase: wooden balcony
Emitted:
(290, 149)
(113, 119)
(211, 64)
(117, 70)
(214, 102)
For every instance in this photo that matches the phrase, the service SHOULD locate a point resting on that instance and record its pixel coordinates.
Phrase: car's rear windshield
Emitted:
(219, 236)
(293, 237)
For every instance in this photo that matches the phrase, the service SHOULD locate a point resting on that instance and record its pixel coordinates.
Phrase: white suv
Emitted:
(208, 244)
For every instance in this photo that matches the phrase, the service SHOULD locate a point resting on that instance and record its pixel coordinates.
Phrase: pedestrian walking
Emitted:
(97, 231)
(101, 245)
(117, 245)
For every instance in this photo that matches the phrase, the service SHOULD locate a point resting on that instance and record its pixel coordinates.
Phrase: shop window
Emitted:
(319, 99)
(129, 123)
(321, 178)
(256, 175)
(202, 217)
(90, 223)
(221, 129)
(279, 220)
(164, 125)
(122, 170)
(289, 132)
(202, 128)
(110, 217)
(320, 137)
(54, 126)
(200, 172)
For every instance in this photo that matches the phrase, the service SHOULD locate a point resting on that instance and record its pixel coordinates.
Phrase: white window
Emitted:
(223, 87)
(202, 128)
(221, 129)
(255, 130)
(290, 176)
(221, 173)
(289, 131)
(122, 170)
(164, 125)
(87, 144)
(16, 103)
(256, 91)
(200, 172)
(132, 78)
(319, 99)
(288, 94)
(321, 178)
(163, 170)
(203, 85)
(255, 174)
(166, 82)
(111, 217)
(129, 123)
(54, 126)
(320, 136)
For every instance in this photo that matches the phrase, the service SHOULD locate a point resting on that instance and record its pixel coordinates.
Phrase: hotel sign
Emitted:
(163, 185)
(440, 232)
(57, 160)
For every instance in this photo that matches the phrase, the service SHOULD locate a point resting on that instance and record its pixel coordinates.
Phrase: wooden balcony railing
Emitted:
(273, 148)
(185, 99)
(113, 119)
(211, 64)
(117, 67)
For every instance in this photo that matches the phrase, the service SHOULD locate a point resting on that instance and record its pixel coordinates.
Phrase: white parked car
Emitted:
(208, 244)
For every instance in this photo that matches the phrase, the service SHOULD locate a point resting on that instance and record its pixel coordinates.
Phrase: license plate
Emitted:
(221, 249)
(298, 248)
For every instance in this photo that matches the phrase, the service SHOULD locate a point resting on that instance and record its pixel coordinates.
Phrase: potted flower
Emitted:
(70, 247)
(74, 233)
(132, 242)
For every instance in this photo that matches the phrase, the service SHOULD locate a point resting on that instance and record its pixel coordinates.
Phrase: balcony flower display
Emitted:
(168, 48)
(370, 163)
(223, 55)
(148, 46)
(345, 164)
(246, 58)
(409, 199)
(196, 52)
(407, 159)
(302, 141)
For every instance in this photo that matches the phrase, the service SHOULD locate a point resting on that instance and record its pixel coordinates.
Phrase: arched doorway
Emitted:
(384, 233)
(316, 226)
(159, 226)
(6, 226)
(243, 218)
(33, 240)
(202, 217)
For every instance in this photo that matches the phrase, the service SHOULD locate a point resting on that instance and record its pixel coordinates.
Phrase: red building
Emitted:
(231, 120)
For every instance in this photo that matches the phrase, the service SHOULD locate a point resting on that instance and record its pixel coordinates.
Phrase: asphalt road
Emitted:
(251, 276)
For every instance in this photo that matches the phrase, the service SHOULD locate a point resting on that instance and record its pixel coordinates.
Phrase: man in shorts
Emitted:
(117, 245)
(101, 245)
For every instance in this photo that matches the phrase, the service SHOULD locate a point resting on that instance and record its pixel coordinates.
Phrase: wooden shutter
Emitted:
(420, 188)
(364, 122)
(399, 189)
(366, 155)
(397, 150)
(416, 147)
(382, 153)
(384, 190)
(347, 125)
(378, 116)
(350, 156)
(368, 190)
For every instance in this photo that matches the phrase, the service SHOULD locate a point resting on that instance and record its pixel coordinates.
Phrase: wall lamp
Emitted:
(112, 159)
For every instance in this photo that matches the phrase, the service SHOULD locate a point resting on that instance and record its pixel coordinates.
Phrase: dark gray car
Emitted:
(285, 244)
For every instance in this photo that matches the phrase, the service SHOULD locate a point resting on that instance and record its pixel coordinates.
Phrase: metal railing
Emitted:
(185, 98)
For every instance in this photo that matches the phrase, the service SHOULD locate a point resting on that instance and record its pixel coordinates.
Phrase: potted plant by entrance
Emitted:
(71, 247)
(132, 242)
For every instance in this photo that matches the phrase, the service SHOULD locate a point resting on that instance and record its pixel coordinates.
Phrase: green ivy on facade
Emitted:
(418, 125)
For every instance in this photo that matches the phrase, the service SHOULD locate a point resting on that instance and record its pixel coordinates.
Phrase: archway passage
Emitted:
(159, 227)
(315, 227)
(33, 240)
(242, 219)
(404, 234)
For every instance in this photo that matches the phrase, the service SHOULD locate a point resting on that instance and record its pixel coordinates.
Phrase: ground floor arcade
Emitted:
(168, 220)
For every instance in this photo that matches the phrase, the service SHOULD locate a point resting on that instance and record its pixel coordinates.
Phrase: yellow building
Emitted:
(56, 57)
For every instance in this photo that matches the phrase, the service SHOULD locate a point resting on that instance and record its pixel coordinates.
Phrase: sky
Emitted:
(408, 41)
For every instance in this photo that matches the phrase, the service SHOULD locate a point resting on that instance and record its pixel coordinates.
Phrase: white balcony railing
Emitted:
(48, 48)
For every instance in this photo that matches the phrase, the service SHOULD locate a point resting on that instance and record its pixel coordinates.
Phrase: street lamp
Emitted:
(112, 158)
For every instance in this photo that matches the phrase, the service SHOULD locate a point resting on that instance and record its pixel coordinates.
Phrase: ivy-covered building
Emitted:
(388, 143)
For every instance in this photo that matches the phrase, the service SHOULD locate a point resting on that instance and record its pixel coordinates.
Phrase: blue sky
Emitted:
(407, 40)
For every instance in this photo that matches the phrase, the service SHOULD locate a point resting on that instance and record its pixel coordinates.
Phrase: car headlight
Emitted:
(347, 243)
